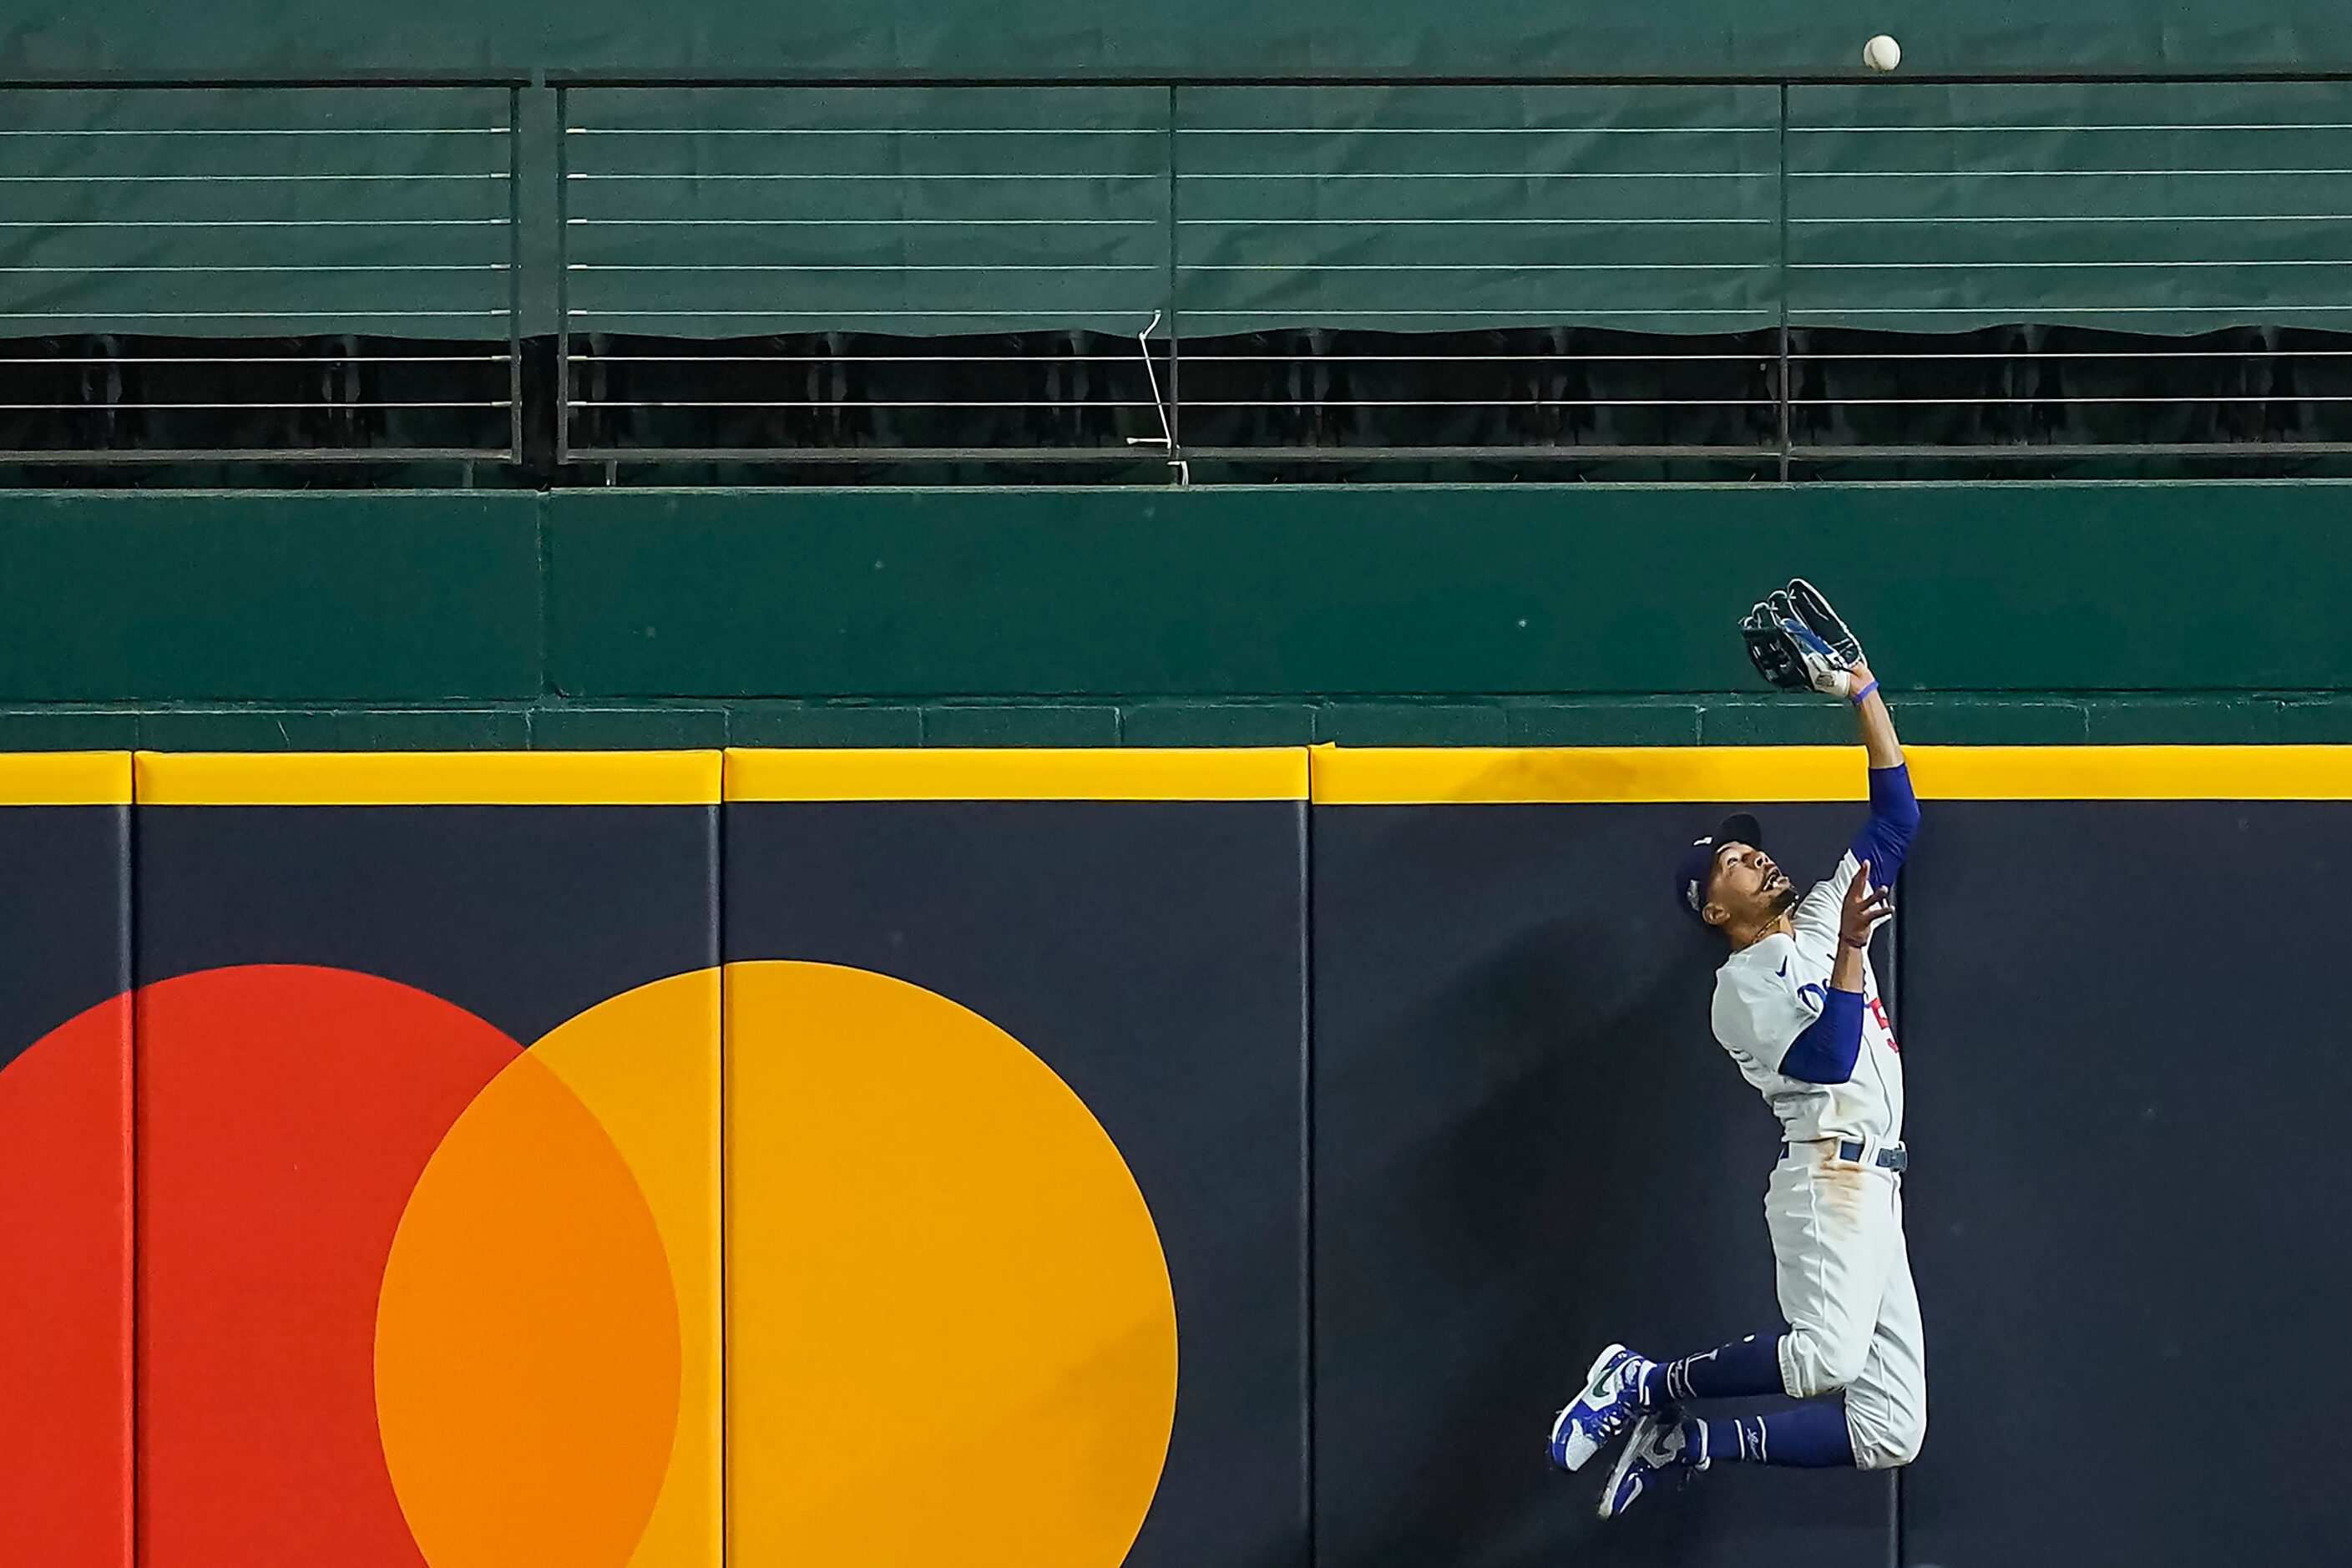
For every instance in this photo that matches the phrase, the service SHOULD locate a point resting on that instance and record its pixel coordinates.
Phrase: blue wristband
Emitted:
(1865, 691)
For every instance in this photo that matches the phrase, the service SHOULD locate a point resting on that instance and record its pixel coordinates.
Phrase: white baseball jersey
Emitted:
(1768, 994)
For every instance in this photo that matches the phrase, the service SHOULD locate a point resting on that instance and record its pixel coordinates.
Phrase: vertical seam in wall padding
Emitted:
(1894, 1518)
(1307, 1162)
(719, 939)
(132, 1417)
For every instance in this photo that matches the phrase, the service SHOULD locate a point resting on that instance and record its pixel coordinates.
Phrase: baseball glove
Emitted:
(1824, 622)
(1798, 643)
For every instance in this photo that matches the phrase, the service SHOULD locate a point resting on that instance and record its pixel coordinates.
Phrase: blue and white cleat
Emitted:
(1610, 1403)
(1654, 1450)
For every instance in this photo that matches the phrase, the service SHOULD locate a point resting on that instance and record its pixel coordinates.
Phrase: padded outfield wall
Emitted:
(1054, 1158)
(1550, 615)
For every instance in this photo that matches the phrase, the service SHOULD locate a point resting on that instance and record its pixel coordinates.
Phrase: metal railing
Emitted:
(911, 258)
(2219, 216)
(1786, 276)
(333, 260)
(1437, 272)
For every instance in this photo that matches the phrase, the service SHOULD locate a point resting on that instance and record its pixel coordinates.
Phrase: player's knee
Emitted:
(1888, 1420)
(1885, 1437)
(1813, 1363)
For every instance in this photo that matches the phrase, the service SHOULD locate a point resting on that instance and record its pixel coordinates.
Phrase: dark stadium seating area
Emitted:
(1305, 403)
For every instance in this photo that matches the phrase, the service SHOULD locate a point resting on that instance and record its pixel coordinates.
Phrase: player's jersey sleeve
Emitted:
(1767, 998)
(1816, 914)
(1885, 839)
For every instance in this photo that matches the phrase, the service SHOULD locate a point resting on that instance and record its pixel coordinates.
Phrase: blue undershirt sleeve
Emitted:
(1894, 818)
(1826, 1051)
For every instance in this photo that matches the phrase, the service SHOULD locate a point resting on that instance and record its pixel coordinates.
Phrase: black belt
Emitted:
(1897, 1159)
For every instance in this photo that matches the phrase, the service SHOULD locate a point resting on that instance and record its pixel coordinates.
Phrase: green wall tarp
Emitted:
(924, 210)
(1130, 37)
(257, 213)
(440, 212)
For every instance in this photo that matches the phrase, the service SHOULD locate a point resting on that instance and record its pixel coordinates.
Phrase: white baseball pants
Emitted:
(1844, 1278)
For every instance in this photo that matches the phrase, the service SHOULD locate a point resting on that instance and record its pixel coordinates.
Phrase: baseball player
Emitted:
(1797, 1006)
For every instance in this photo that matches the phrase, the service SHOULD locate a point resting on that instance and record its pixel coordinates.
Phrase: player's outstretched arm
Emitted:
(1877, 725)
(1893, 809)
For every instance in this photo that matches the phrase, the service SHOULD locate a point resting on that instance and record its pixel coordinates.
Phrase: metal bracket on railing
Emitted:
(1166, 439)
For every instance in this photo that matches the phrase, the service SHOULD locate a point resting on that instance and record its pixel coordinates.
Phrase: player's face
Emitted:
(1750, 888)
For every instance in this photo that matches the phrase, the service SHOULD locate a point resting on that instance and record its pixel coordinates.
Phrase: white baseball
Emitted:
(1882, 53)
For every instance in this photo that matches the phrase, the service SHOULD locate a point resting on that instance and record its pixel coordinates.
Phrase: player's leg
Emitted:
(1740, 1369)
(1836, 1235)
(1811, 1436)
(1839, 1267)
(1828, 1222)
(1830, 1226)
(1886, 1403)
(1835, 1231)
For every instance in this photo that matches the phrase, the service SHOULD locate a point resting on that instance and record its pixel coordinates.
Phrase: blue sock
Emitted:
(1811, 1436)
(1741, 1370)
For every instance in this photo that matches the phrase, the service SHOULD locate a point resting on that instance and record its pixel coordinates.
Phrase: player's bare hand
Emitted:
(1865, 908)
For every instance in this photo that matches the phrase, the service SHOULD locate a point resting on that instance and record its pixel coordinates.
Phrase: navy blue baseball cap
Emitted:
(1697, 869)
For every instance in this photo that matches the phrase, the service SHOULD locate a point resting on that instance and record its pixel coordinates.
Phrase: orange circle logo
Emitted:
(410, 1293)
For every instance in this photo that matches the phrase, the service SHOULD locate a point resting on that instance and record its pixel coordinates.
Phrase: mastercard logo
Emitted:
(869, 1286)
